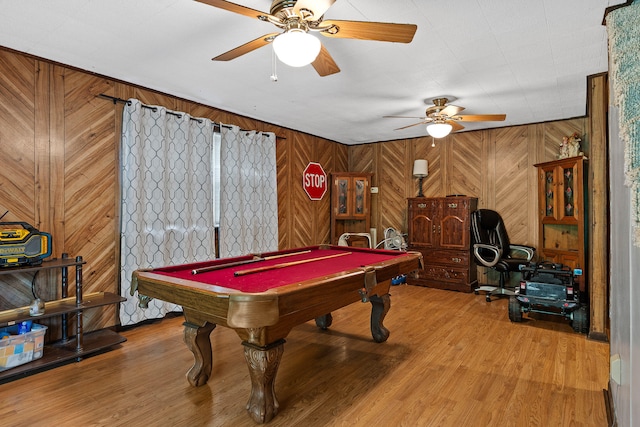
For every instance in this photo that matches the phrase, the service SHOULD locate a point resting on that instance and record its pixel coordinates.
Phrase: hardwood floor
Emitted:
(451, 360)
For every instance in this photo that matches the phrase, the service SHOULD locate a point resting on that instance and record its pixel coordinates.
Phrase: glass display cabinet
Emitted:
(562, 215)
(350, 204)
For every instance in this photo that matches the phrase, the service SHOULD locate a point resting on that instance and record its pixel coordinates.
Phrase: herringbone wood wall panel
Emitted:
(304, 216)
(391, 199)
(90, 168)
(17, 146)
(464, 153)
(512, 192)
(61, 149)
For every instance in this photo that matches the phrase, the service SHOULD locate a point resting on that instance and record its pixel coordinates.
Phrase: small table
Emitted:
(281, 290)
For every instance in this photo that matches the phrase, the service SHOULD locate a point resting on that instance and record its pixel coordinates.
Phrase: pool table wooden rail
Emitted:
(235, 309)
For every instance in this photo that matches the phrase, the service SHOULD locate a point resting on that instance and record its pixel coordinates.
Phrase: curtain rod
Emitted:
(173, 113)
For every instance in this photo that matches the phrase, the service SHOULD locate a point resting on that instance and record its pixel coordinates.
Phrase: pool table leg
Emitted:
(323, 322)
(263, 365)
(197, 340)
(379, 307)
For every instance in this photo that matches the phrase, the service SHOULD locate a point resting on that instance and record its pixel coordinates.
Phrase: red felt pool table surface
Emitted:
(313, 262)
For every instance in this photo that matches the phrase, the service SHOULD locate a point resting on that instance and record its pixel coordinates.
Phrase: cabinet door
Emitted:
(360, 194)
(423, 215)
(341, 201)
(548, 199)
(560, 199)
(351, 197)
(570, 192)
(454, 224)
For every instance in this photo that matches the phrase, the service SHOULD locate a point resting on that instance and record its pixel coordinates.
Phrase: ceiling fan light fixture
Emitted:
(439, 130)
(296, 47)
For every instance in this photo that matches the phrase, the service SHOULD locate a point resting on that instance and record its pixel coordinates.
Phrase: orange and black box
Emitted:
(22, 244)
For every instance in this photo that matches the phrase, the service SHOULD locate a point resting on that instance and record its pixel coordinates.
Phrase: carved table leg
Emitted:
(379, 307)
(263, 365)
(197, 339)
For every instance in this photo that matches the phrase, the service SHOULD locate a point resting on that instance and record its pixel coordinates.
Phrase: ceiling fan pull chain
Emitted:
(274, 75)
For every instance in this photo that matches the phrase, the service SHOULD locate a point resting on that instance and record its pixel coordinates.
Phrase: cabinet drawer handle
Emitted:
(422, 205)
(456, 259)
(453, 205)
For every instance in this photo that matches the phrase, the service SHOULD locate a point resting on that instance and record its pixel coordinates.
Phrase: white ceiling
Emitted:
(526, 58)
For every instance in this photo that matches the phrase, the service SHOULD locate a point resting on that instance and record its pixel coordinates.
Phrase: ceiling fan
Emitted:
(441, 119)
(298, 18)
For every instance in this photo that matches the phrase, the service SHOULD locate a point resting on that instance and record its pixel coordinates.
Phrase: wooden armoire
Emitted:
(439, 228)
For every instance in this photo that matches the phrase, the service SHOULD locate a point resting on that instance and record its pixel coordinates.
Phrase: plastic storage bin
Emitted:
(18, 349)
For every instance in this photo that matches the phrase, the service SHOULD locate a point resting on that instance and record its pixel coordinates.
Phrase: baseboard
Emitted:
(608, 404)
(598, 336)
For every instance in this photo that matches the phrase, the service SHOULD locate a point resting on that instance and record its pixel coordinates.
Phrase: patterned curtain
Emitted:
(167, 197)
(248, 196)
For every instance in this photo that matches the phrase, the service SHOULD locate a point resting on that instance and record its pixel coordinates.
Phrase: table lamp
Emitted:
(420, 170)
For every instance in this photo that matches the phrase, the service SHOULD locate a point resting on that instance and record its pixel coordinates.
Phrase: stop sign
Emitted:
(314, 181)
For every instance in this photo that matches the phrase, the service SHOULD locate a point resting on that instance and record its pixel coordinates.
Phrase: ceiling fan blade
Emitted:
(324, 63)
(415, 124)
(246, 48)
(312, 10)
(451, 110)
(403, 117)
(236, 8)
(455, 125)
(481, 118)
(379, 31)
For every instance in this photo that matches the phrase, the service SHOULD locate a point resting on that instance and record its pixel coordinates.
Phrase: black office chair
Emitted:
(492, 249)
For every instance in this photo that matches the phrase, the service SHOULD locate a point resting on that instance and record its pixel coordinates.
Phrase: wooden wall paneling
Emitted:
(17, 98)
(536, 151)
(150, 97)
(284, 177)
(58, 149)
(434, 183)
(53, 94)
(465, 164)
(487, 196)
(323, 154)
(391, 199)
(366, 158)
(43, 218)
(117, 90)
(340, 158)
(375, 201)
(304, 217)
(46, 188)
(512, 181)
(89, 181)
(598, 254)
(25, 159)
(444, 145)
(361, 159)
(553, 133)
(340, 164)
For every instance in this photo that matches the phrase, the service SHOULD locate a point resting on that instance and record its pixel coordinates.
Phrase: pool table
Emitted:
(262, 297)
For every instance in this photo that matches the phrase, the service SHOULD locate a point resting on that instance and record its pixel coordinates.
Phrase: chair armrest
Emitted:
(528, 251)
(494, 249)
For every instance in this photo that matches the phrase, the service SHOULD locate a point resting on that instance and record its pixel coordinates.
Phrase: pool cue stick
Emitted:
(285, 264)
(247, 261)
